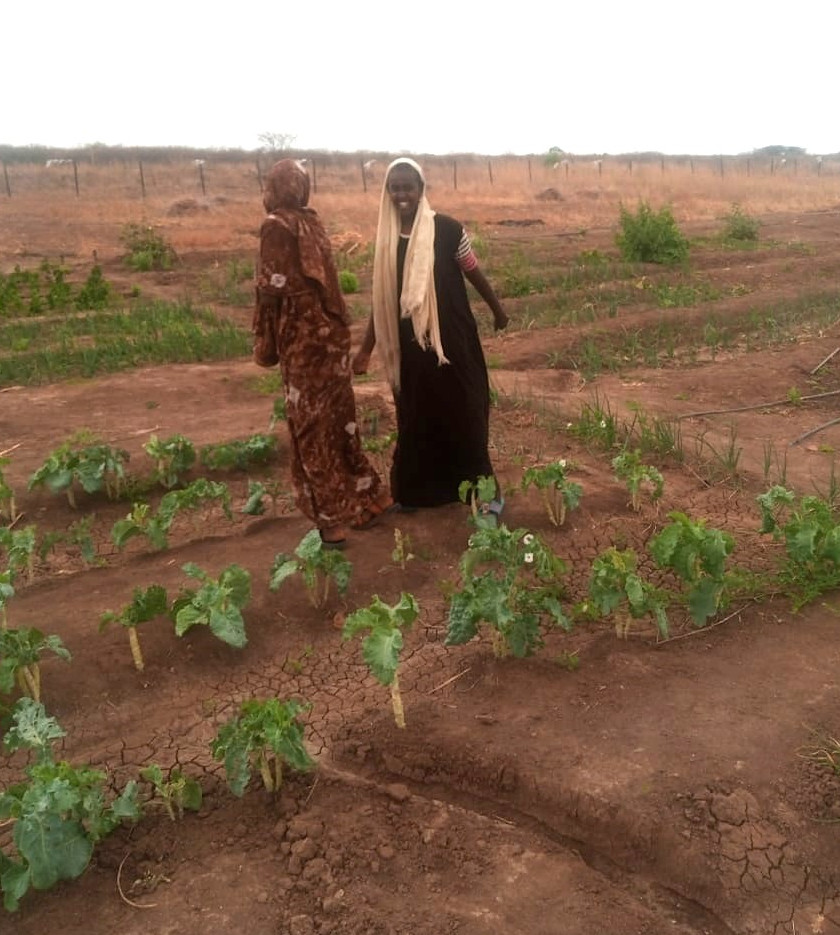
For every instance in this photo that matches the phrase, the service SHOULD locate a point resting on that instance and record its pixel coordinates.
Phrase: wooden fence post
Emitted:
(76, 177)
(662, 165)
(490, 170)
(6, 178)
(630, 166)
(314, 176)
(455, 174)
(201, 177)
(142, 179)
(364, 177)
(259, 174)
(691, 163)
(530, 177)
(600, 167)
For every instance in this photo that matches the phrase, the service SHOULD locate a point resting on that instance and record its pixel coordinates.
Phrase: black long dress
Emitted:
(443, 411)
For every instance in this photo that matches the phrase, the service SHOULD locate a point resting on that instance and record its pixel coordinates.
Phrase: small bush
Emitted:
(95, 293)
(348, 281)
(147, 249)
(738, 225)
(649, 236)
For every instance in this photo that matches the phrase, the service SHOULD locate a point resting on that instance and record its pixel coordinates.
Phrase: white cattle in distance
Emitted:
(58, 162)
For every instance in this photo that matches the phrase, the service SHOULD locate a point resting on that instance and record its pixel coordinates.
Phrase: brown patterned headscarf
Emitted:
(285, 197)
(286, 186)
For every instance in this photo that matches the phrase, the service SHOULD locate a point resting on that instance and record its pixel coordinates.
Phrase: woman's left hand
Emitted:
(500, 321)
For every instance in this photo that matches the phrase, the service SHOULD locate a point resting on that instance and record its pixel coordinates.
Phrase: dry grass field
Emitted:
(625, 778)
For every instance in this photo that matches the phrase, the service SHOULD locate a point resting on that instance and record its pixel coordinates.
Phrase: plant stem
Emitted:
(136, 654)
(396, 702)
(549, 506)
(278, 771)
(71, 499)
(33, 687)
(265, 772)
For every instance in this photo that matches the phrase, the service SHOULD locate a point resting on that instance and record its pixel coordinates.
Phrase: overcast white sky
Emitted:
(593, 76)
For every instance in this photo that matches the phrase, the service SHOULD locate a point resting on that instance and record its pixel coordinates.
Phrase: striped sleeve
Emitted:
(465, 255)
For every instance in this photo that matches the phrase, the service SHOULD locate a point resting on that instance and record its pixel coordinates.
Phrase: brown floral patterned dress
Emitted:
(300, 312)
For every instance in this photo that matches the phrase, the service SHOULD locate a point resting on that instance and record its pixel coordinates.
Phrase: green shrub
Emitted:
(738, 225)
(95, 293)
(348, 281)
(649, 236)
(147, 249)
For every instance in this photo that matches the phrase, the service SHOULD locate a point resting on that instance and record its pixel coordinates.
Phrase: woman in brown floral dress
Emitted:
(301, 322)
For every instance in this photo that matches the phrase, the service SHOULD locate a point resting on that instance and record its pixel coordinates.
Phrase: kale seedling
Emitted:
(381, 647)
(146, 604)
(263, 731)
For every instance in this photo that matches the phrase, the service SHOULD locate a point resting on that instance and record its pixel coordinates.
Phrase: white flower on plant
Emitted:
(568, 425)
(603, 423)
(529, 558)
(562, 462)
(528, 538)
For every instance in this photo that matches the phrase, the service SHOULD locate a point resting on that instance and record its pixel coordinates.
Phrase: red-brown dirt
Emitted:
(658, 787)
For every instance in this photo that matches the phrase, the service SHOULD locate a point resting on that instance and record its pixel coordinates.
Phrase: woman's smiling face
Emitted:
(405, 190)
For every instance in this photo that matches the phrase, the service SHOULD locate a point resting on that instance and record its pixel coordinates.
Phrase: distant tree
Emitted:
(774, 151)
(276, 142)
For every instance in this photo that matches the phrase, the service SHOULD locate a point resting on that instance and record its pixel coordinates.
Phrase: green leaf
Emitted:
(284, 567)
(54, 848)
(14, 881)
(310, 545)
(32, 728)
(188, 616)
(229, 626)
(381, 651)
(463, 621)
(237, 581)
(703, 600)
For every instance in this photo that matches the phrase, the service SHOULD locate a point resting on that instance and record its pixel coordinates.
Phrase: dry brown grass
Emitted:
(44, 216)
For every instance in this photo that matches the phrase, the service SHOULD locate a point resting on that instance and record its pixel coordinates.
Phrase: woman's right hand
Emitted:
(360, 363)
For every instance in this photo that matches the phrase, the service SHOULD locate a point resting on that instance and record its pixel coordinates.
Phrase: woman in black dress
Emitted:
(424, 329)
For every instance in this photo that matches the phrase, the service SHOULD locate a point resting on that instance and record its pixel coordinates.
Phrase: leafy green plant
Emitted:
(147, 249)
(95, 293)
(615, 587)
(518, 591)
(559, 494)
(20, 653)
(384, 625)
(177, 793)
(141, 521)
(58, 814)
(348, 281)
(262, 732)
(698, 556)
(317, 566)
(146, 604)
(648, 236)
(257, 492)
(478, 495)
(597, 425)
(173, 457)
(812, 542)
(258, 449)
(19, 546)
(8, 510)
(94, 467)
(637, 477)
(278, 412)
(740, 226)
(217, 603)
(78, 534)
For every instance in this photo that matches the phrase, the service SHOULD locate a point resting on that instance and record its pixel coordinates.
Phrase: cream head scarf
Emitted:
(418, 300)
